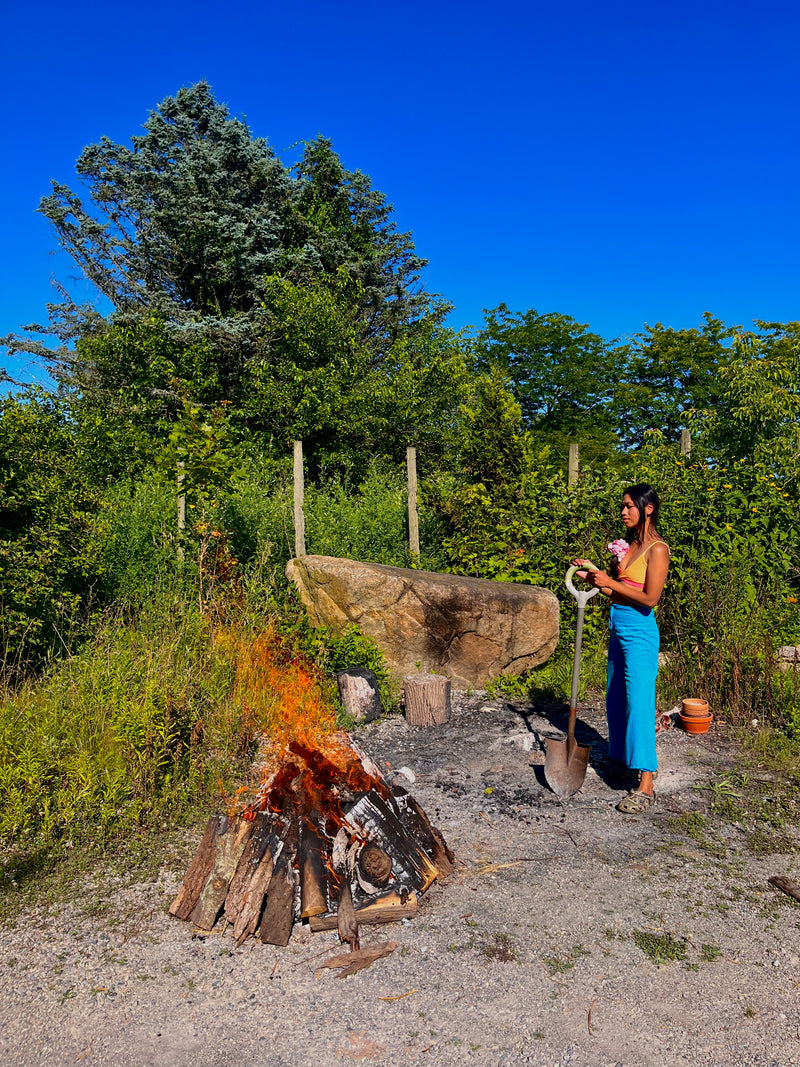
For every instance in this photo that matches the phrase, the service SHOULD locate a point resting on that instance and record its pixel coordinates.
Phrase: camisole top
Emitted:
(634, 574)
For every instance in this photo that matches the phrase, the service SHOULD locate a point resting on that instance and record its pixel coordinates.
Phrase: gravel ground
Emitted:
(525, 955)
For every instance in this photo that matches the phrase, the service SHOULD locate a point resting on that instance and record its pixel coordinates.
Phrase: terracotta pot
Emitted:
(693, 724)
(694, 708)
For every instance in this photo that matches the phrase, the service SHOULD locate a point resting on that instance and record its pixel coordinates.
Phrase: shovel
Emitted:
(565, 762)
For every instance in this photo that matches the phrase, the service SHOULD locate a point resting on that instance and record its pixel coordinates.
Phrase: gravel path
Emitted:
(535, 951)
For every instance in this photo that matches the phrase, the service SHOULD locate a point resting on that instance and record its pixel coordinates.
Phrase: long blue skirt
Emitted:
(631, 694)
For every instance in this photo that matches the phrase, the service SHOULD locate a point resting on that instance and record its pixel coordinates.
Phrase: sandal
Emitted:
(636, 802)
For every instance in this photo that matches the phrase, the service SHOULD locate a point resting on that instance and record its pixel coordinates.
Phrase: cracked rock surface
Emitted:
(470, 629)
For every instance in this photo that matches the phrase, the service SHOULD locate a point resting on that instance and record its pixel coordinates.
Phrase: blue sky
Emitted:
(622, 163)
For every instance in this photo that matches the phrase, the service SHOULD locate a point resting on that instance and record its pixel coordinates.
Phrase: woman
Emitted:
(633, 642)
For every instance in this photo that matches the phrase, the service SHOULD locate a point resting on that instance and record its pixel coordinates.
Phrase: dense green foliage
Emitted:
(48, 559)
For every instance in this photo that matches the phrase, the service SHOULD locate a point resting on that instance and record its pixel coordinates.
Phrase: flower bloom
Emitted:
(619, 548)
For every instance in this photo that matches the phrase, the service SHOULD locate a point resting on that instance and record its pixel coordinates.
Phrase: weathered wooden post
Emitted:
(572, 464)
(299, 493)
(686, 443)
(413, 518)
(181, 509)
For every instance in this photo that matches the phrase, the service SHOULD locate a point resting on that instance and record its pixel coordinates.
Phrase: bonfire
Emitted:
(320, 835)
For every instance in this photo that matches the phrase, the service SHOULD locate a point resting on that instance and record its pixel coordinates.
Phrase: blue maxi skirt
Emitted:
(631, 694)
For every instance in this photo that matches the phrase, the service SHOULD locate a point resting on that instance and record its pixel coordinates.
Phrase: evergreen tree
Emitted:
(191, 224)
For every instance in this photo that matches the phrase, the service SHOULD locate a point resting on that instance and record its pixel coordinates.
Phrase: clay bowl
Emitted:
(694, 708)
(694, 724)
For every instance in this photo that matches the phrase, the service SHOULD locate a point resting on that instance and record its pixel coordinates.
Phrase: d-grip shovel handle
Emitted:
(582, 596)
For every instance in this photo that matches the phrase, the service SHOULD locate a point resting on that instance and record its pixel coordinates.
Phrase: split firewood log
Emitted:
(346, 917)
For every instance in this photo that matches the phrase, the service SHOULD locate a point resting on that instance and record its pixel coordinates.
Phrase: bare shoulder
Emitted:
(660, 550)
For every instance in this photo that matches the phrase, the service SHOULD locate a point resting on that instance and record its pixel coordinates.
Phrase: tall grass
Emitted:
(133, 728)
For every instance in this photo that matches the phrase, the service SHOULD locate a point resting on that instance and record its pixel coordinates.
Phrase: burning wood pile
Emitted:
(326, 840)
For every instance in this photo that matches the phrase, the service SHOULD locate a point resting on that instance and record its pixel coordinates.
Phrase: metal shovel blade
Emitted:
(565, 766)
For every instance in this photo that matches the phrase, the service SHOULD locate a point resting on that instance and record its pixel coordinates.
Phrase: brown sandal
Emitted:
(636, 802)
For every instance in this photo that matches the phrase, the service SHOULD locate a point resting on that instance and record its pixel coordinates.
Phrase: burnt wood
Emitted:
(358, 959)
(375, 864)
(346, 918)
(429, 837)
(230, 845)
(376, 819)
(313, 860)
(786, 885)
(248, 889)
(278, 916)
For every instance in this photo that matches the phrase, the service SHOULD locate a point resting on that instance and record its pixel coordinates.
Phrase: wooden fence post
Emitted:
(686, 443)
(181, 509)
(572, 465)
(413, 518)
(299, 493)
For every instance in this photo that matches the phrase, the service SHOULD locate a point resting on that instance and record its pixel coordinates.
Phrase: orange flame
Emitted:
(280, 692)
(283, 699)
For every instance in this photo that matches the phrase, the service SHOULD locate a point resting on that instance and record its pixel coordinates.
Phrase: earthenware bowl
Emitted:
(694, 708)
(693, 724)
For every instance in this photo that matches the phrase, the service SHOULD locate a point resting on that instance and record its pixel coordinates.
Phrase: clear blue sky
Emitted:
(622, 163)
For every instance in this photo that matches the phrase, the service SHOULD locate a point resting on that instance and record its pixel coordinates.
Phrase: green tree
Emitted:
(757, 415)
(48, 557)
(194, 221)
(669, 374)
(563, 376)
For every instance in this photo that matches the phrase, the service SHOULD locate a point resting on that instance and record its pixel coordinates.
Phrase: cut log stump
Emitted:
(427, 699)
(358, 691)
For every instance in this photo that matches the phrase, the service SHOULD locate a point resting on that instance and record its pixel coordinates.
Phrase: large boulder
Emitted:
(469, 629)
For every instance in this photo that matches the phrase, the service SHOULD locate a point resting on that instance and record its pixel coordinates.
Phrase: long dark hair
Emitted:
(642, 495)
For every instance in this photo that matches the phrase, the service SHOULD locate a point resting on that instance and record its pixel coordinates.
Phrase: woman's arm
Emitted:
(657, 567)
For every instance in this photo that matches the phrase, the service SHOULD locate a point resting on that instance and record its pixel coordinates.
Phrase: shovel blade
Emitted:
(565, 767)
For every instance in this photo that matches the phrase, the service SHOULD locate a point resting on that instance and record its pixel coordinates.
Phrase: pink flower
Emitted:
(619, 548)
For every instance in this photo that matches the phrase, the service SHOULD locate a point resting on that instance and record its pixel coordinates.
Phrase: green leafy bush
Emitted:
(48, 556)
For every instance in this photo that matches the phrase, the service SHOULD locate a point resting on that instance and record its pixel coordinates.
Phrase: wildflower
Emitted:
(791, 600)
(727, 486)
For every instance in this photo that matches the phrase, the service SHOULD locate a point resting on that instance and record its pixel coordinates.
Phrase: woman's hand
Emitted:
(583, 563)
(598, 578)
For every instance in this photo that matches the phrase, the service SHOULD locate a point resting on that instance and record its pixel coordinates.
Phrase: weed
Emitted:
(500, 948)
(563, 965)
(709, 953)
(660, 948)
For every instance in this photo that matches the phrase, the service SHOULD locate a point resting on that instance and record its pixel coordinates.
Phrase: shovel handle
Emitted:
(586, 594)
(582, 596)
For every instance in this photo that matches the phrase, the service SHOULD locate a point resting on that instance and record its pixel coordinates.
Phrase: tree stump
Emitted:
(358, 690)
(427, 699)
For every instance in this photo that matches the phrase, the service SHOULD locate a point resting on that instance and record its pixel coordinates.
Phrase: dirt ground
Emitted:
(570, 935)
